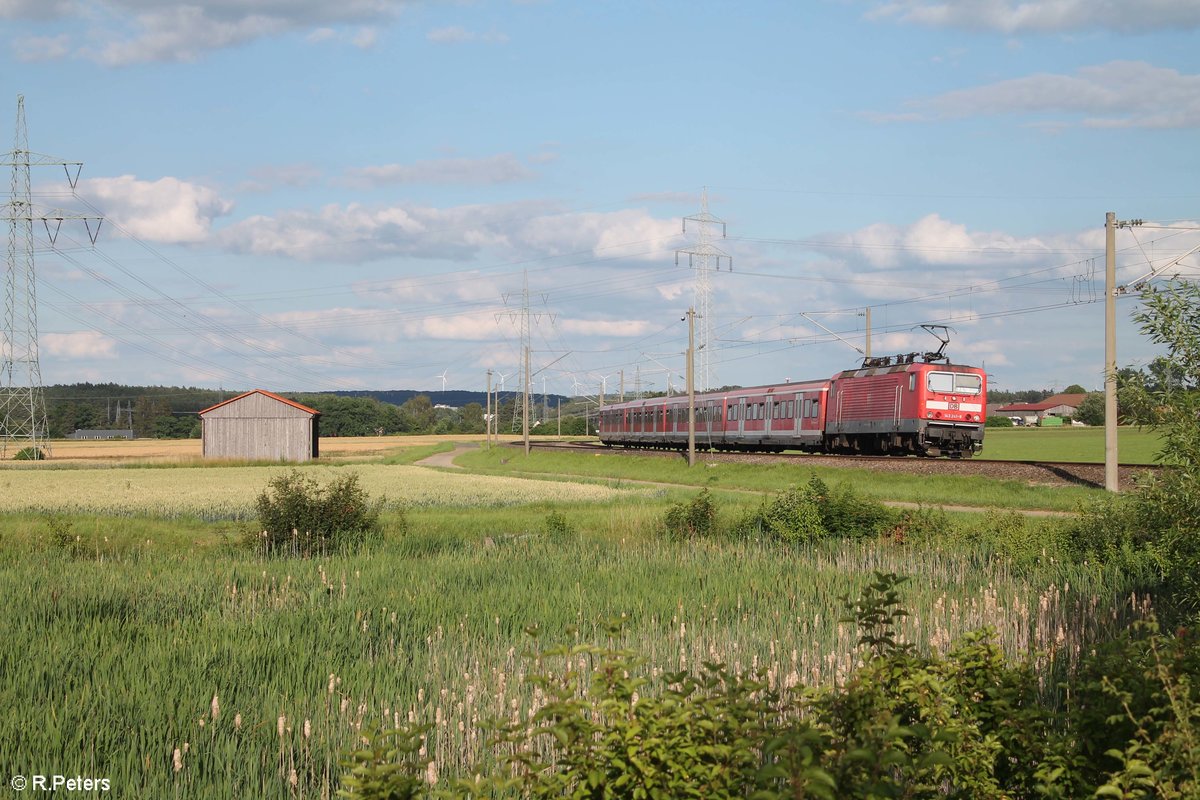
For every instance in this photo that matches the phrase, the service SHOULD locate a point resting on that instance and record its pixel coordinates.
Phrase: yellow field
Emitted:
(229, 492)
(185, 450)
(79, 479)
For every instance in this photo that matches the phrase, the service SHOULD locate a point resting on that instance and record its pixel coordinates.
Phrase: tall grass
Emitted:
(213, 674)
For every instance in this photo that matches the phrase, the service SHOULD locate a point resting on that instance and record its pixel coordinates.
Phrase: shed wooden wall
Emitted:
(259, 427)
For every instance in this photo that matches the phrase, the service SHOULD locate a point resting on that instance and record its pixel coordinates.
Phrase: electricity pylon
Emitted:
(704, 257)
(22, 399)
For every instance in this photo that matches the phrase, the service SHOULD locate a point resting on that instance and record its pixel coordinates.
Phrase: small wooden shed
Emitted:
(260, 425)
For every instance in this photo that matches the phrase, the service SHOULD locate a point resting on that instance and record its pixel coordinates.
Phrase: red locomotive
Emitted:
(912, 404)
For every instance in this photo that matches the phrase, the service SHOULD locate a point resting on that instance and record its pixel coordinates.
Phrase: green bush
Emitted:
(998, 422)
(387, 766)
(559, 529)
(686, 521)
(926, 524)
(30, 454)
(816, 511)
(297, 516)
(845, 514)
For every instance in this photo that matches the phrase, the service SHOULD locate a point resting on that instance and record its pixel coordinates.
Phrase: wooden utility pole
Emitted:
(1111, 480)
(691, 382)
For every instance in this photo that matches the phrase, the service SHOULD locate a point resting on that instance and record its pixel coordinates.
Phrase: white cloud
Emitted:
(457, 35)
(607, 327)
(1043, 16)
(630, 233)
(502, 168)
(79, 345)
(269, 177)
(934, 241)
(165, 210)
(364, 38)
(36, 9)
(43, 48)
(467, 286)
(124, 32)
(1127, 94)
(357, 233)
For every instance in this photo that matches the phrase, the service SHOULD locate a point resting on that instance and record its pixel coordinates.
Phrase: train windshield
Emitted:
(955, 383)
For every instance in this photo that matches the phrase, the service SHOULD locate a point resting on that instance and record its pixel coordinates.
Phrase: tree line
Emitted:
(172, 412)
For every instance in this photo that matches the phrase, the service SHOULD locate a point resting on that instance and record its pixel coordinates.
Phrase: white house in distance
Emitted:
(260, 425)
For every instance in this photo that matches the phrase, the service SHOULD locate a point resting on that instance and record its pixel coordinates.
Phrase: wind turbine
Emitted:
(443, 377)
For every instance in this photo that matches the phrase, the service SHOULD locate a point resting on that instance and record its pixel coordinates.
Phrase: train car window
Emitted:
(912, 381)
(816, 408)
(966, 383)
(941, 382)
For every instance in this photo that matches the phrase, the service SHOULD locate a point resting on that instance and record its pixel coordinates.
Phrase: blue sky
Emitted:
(316, 195)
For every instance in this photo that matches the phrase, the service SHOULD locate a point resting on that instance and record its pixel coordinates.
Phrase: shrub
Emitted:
(846, 514)
(388, 766)
(62, 536)
(922, 524)
(815, 511)
(300, 517)
(30, 454)
(559, 529)
(692, 520)
(792, 517)
(998, 422)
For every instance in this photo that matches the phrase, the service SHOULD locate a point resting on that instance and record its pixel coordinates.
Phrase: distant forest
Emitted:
(171, 412)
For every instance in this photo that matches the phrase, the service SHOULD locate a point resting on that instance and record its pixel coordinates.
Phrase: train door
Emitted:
(810, 411)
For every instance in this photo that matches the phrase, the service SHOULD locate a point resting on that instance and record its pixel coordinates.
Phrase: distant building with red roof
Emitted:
(1059, 405)
(260, 425)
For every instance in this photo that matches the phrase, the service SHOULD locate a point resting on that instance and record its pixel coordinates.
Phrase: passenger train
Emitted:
(913, 404)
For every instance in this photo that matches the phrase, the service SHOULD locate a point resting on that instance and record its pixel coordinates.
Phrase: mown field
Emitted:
(1072, 444)
(146, 644)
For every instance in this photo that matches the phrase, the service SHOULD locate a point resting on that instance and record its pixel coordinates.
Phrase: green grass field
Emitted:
(145, 644)
(673, 470)
(1071, 444)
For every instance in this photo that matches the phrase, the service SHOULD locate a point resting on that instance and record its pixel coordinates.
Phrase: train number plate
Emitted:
(953, 406)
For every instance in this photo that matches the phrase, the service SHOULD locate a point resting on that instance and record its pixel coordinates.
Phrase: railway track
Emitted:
(1036, 472)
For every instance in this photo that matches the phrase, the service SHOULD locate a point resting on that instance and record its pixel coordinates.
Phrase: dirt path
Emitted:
(446, 459)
